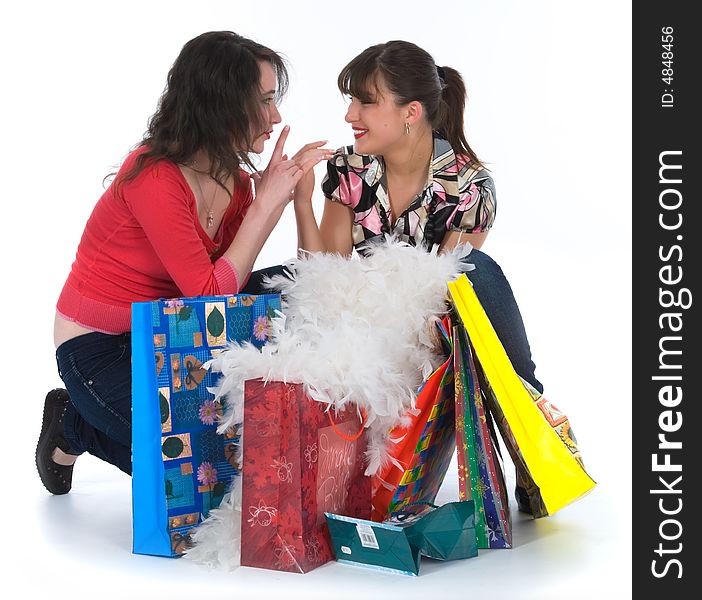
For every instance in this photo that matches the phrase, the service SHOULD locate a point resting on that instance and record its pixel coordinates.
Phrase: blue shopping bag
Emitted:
(181, 466)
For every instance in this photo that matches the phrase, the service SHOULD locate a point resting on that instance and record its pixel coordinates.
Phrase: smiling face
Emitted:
(269, 110)
(378, 122)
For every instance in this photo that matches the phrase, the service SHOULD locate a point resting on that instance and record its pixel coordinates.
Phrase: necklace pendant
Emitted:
(210, 220)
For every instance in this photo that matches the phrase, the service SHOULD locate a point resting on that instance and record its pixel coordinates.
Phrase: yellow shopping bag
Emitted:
(536, 434)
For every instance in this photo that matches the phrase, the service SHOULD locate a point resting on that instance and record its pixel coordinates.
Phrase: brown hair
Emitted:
(211, 103)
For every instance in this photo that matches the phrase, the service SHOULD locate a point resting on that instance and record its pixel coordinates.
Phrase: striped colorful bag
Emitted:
(450, 417)
(422, 451)
(480, 471)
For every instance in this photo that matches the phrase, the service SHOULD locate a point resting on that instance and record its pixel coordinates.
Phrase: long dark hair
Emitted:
(410, 73)
(211, 103)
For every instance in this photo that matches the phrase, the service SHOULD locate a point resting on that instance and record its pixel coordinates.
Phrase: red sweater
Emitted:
(147, 243)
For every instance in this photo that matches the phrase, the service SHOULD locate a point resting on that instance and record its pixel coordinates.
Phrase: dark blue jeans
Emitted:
(97, 372)
(495, 295)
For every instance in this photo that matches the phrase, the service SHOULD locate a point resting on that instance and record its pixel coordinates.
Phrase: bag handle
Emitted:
(341, 434)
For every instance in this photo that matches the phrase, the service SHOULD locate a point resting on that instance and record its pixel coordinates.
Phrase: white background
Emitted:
(549, 110)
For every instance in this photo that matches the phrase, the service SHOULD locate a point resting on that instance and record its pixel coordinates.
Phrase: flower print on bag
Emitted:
(283, 469)
(265, 419)
(284, 556)
(311, 454)
(250, 392)
(207, 474)
(290, 395)
(177, 303)
(312, 549)
(208, 412)
(262, 515)
(262, 328)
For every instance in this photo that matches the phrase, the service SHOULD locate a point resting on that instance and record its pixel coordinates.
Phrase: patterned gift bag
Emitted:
(451, 416)
(181, 467)
(420, 452)
(300, 461)
(480, 473)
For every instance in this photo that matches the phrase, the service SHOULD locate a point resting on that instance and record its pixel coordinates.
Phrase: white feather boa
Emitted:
(354, 330)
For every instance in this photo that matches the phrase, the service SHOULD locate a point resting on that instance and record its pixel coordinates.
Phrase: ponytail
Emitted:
(449, 118)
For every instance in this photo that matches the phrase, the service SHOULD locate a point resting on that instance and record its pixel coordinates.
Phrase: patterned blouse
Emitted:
(458, 197)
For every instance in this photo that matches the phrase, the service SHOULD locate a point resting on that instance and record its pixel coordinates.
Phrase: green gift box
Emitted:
(396, 545)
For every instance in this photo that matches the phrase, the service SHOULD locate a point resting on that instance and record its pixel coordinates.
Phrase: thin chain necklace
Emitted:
(208, 208)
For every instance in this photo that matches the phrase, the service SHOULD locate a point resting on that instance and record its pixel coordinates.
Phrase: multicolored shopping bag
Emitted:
(420, 452)
(181, 467)
(300, 460)
(480, 472)
(537, 435)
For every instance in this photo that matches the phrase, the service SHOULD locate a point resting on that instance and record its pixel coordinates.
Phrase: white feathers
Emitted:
(359, 331)
(216, 539)
(354, 331)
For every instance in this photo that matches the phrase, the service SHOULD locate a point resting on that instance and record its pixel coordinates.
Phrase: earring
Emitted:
(407, 128)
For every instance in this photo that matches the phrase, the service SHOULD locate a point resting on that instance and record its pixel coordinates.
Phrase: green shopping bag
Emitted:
(397, 544)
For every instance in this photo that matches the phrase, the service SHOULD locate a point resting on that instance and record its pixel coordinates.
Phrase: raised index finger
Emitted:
(278, 150)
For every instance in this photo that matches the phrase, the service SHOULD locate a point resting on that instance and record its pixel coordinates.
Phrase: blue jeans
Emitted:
(97, 372)
(495, 295)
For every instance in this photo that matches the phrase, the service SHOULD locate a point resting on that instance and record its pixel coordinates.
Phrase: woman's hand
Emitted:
(302, 194)
(306, 158)
(275, 183)
(278, 182)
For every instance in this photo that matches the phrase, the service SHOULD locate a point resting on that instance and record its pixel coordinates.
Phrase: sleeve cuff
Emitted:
(226, 276)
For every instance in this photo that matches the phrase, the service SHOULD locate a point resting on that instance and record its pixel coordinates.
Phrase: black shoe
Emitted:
(523, 503)
(56, 478)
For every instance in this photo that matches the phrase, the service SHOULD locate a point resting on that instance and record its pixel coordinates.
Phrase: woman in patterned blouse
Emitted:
(412, 174)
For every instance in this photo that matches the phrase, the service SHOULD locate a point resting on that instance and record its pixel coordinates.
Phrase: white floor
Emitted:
(73, 545)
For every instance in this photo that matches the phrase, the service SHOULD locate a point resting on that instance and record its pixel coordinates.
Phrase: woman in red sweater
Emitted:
(179, 219)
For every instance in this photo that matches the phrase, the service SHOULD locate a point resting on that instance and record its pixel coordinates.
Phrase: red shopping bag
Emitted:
(299, 461)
